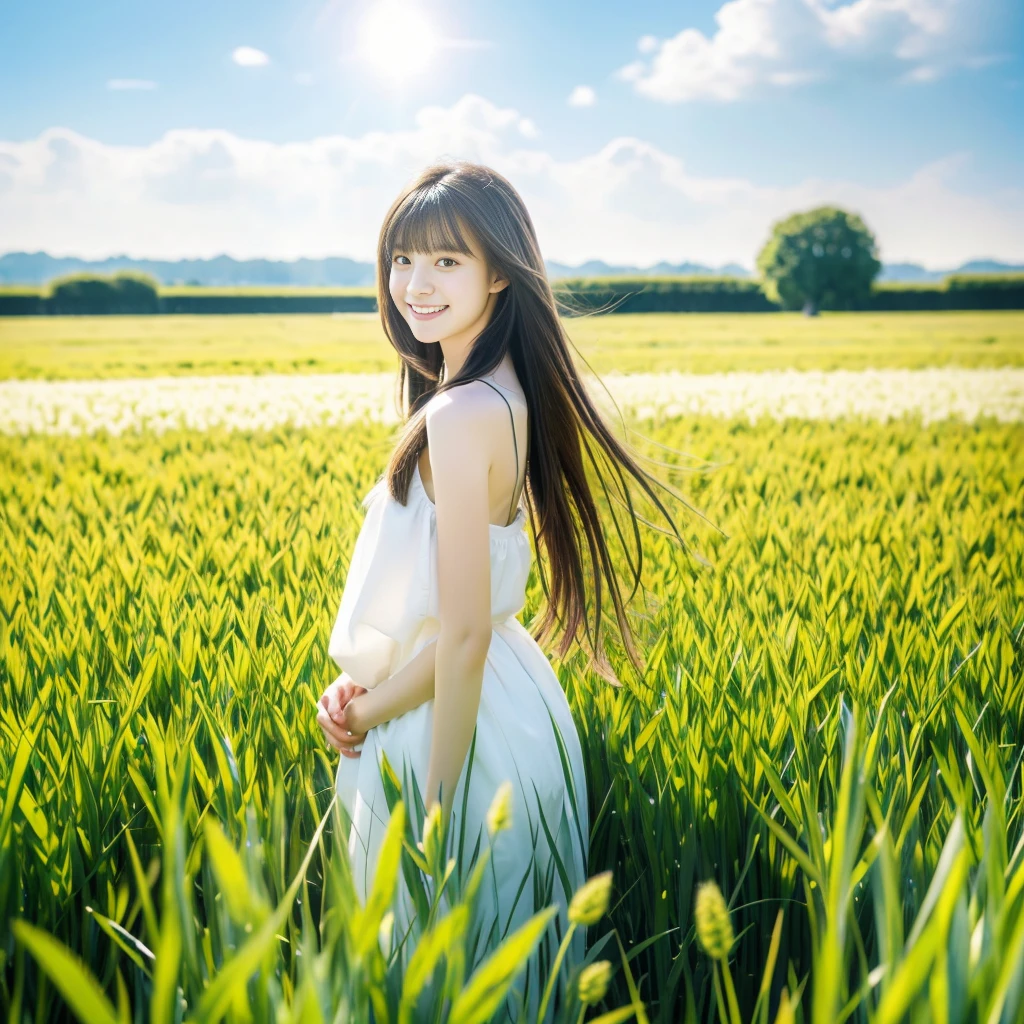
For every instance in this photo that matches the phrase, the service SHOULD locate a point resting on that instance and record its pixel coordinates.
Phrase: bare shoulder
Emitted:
(471, 409)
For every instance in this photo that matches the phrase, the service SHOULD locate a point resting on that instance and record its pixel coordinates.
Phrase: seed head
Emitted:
(590, 901)
(714, 926)
(594, 982)
(499, 815)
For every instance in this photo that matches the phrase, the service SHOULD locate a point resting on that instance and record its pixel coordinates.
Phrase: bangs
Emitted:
(426, 224)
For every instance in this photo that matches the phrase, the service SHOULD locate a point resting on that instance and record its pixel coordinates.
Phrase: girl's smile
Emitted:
(426, 312)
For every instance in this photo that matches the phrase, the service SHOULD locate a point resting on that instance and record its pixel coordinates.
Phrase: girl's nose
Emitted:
(419, 282)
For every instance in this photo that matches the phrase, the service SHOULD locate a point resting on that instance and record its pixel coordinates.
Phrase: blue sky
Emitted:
(133, 128)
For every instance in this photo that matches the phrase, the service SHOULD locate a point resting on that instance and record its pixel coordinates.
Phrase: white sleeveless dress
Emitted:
(524, 729)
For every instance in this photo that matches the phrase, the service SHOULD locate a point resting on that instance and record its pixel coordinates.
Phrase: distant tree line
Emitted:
(732, 295)
(825, 258)
(585, 295)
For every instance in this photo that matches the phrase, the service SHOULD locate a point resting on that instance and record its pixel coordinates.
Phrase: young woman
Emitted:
(497, 423)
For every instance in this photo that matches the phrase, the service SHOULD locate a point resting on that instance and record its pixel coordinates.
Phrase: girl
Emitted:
(435, 662)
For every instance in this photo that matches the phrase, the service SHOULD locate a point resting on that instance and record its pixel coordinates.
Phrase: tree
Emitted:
(825, 258)
(125, 292)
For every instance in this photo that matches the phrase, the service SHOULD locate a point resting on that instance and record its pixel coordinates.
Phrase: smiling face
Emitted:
(438, 278)
(444, 294)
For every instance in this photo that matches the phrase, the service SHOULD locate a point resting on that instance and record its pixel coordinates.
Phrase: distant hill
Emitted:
(598, 268)
(35, 268)
(221, 271)
(990, 267)
(336, 271)
(909, 273)
(914, 273)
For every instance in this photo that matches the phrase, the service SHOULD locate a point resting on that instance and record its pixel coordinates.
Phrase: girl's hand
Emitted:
(353, 715)
(337, 730)
(350, 719)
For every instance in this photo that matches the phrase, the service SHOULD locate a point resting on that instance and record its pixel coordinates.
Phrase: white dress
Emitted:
(524, 728)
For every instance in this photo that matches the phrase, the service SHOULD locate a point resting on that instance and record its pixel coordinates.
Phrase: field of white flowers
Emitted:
(270, 400)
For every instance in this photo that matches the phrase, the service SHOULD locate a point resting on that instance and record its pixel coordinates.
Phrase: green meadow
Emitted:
(126, 346)
(829, 724)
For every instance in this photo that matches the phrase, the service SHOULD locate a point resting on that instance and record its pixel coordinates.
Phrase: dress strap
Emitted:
(515, 443)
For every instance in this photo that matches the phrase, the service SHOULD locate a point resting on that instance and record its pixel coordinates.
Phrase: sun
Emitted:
(397, 39)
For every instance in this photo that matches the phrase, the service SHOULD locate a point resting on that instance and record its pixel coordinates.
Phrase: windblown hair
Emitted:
(452, 208)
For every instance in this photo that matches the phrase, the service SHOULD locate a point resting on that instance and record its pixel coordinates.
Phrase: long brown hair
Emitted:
(436, 212)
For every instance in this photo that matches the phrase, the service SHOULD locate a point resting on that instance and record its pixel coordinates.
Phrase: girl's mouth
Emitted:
(429, 312)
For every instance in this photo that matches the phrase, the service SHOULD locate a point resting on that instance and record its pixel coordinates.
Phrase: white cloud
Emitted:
(791, 42)
(130, 83)
(203, 192)
(249, 57)
(582, 96)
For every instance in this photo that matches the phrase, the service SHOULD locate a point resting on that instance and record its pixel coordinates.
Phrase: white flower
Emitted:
(269, 400)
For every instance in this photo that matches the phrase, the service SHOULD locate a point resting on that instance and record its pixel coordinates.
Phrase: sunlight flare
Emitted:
(397, 39)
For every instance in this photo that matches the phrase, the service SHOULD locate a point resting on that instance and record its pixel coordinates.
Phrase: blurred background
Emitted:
(188, 139)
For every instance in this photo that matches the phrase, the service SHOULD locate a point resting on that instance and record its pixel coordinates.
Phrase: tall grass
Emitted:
(829, 727)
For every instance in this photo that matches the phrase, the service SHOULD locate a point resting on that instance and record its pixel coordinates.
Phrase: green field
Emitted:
(830, 723)
(166, 605)
(115, 346)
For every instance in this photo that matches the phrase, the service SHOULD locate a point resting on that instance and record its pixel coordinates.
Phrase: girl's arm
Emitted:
(459, 437)
(411, 686)
(459, 673)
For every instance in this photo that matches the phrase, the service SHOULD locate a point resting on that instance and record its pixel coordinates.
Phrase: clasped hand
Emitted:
(338, 717)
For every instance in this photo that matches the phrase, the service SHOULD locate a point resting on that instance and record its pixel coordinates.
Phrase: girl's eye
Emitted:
(443, 259)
